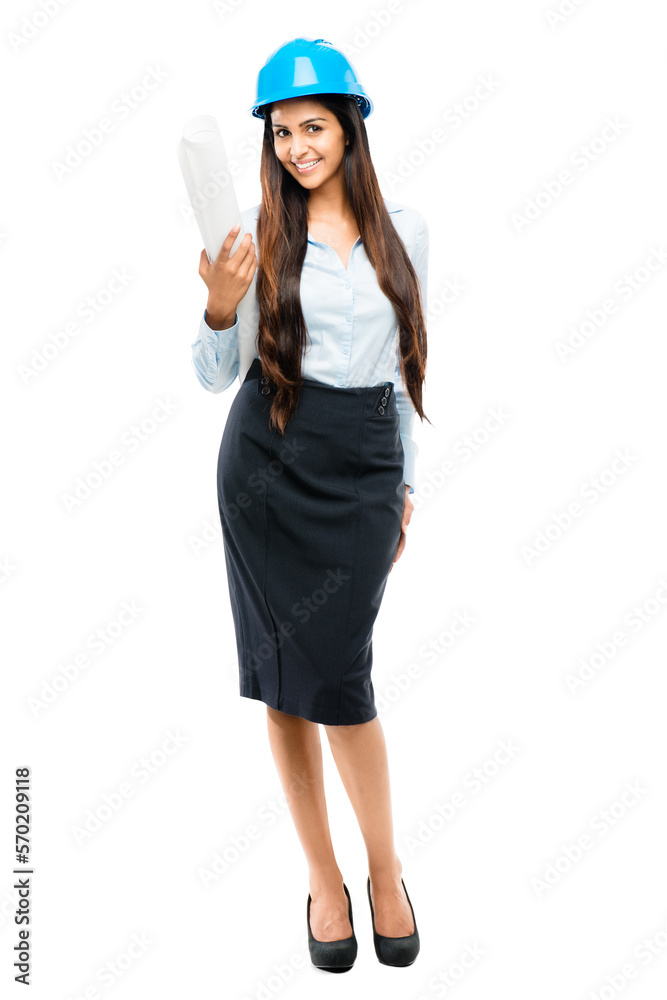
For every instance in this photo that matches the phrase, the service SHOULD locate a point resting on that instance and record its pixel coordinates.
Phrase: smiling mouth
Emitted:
(308, 166)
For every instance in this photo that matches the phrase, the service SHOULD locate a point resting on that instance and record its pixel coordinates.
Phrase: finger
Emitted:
(249, 273)
(241, 254)
(246, 258)
(223, 254)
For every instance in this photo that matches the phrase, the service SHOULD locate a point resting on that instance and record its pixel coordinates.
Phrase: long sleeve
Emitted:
(215, 355)
(406, 410)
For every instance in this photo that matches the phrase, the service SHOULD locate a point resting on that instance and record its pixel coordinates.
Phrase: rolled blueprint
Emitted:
(205, 169)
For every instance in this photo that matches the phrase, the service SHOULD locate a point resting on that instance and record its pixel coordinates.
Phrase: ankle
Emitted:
(386, 872)
(322, 883)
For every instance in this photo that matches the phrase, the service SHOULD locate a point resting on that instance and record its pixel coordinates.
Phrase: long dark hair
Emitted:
(282, 235)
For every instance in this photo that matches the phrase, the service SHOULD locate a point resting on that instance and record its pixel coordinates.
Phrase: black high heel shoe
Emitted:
(333, 956)
(397, 951)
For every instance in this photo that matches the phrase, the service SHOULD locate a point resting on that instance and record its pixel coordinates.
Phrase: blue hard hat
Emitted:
(307, 66)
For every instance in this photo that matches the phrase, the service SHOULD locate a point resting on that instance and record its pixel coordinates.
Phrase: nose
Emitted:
(298, 148)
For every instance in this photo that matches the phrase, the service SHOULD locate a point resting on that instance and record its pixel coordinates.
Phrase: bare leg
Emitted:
(297, 751)
(360, 754)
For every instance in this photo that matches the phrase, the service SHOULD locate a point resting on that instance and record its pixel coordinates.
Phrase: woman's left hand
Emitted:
(408, 508)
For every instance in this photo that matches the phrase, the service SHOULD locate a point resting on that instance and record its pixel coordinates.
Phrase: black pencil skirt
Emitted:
(311, 521)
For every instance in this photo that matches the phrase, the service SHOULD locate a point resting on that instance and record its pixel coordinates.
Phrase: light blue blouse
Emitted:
(352, 325)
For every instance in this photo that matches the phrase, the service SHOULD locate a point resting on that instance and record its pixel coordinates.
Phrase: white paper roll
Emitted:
(205, 169)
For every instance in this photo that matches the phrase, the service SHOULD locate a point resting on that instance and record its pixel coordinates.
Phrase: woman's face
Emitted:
(303, 131)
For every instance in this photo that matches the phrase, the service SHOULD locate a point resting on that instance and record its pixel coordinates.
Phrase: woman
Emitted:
(316, 463)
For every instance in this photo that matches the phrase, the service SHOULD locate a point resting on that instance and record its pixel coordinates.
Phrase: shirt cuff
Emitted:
(215, 356)
(410, 452)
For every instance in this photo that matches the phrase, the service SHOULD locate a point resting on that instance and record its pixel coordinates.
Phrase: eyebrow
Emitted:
(307, 122)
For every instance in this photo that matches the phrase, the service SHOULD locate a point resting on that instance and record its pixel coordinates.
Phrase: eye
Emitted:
(278, 135)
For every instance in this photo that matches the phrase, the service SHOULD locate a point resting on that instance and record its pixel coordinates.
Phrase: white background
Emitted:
(474, 878)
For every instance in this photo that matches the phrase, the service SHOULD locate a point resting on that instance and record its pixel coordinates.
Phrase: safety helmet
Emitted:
(307, 66)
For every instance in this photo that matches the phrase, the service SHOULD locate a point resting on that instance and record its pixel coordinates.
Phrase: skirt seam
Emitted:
(356, 553)
(266, 559)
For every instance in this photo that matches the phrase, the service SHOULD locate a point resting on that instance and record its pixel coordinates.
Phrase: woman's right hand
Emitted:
(228, 278)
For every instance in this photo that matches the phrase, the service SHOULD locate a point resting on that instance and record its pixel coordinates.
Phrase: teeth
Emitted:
(302, 166)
